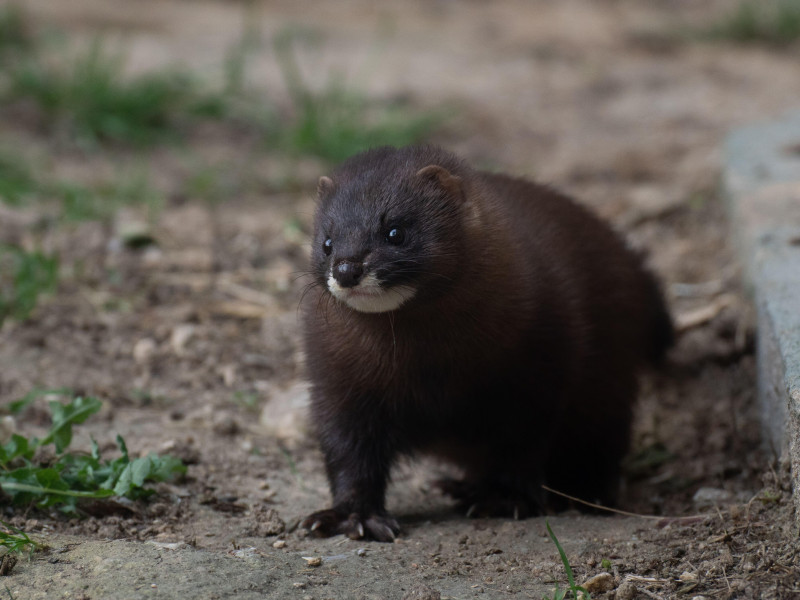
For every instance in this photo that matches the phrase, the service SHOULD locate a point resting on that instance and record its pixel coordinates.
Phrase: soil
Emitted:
(194, 344)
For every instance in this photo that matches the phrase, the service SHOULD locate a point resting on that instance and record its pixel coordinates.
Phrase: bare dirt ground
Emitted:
(194, 345)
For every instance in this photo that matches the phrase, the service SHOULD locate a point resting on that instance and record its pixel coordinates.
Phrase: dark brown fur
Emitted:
(517, 359)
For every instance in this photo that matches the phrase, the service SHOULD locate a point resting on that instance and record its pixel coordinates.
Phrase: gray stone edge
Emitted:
(761, 178)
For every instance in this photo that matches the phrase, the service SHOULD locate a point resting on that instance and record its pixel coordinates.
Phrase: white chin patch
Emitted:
(369, 297)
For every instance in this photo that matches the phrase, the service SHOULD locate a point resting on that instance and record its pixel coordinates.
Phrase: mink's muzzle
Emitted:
(348, 273)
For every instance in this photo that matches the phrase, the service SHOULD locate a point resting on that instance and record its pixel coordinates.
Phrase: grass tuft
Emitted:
(773, 22)
(102, 201)
(337, 122)
(88, 96)
(75, 201)
(15, 541)
(14, 30)
(16, 180)
(24, 277)
(559, 594)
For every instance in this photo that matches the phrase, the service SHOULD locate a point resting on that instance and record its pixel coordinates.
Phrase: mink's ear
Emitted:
(324, 186)
(440, 175)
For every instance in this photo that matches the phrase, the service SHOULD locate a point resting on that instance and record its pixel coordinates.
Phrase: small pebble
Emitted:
(313, 561)
(361, 552)
(626, 591)
(143, 350)
(279, 544)
(602, 582)
(688, 577)
(224, 424)
(708, 497)
(181, 334)
(299, 586)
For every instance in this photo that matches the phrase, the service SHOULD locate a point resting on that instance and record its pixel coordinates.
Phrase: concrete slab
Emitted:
(762, 181)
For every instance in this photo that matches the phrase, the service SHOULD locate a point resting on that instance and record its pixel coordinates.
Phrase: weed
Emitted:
(235, 64)
(338, 122)
(775, 22)
(81, 203)
(24, 277)
(214, 183)
(248, 400)
(769, 496)
(559, 594)
(68, 477)
(77, 202)
(17, 183)
(90, 99)
(15, 541)
(14, 34)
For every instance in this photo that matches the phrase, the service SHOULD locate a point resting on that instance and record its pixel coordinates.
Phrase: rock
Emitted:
(181, 334)
(279, 544)
(224, 424)
(284, 413)
(245, 552)
(265, 522)
(602, 582)
(228, 373)
(143, 350)
(185, 450)
(626, 591)
(168, 545)
(131, 231)
(422, 592)
(313, 561)
(708, 497)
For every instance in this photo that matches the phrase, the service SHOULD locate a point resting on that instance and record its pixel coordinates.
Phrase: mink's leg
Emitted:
(499, 480)
(587, 463)
(358, 461)
(498, 495)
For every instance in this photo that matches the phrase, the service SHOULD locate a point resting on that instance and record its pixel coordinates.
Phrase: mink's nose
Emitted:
(348, 273)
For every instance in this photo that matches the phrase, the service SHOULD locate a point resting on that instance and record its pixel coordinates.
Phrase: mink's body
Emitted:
(487, 320)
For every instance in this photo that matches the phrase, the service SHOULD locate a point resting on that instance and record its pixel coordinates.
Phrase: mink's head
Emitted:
(389, 227)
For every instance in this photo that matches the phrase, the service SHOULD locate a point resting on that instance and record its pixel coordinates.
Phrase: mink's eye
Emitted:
(327, 246)
(396, 236)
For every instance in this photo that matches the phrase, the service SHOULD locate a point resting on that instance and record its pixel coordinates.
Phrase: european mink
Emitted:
(484, 319)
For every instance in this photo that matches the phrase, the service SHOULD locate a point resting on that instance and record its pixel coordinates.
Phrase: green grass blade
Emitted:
(567, 567)
(34, 489)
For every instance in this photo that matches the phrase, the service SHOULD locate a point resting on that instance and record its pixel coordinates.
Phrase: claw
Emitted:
(471, 510)
(360, 530)
(516, 513)
(316, 525)
(387, 532)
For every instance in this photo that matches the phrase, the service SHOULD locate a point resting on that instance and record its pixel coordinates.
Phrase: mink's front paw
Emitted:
(324, 523)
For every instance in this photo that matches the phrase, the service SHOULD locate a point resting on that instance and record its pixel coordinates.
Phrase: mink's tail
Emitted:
(661, 335)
